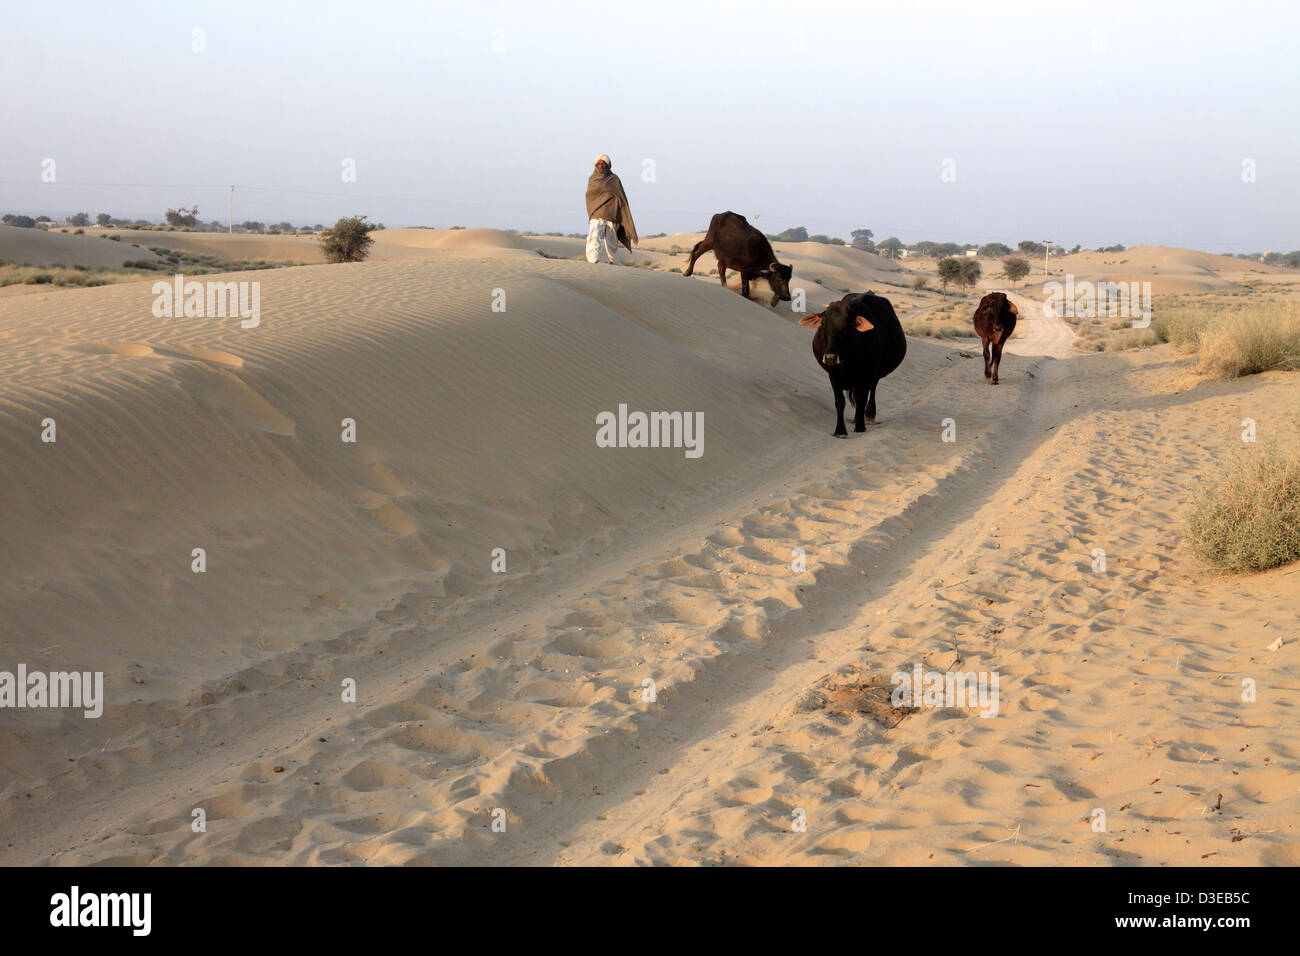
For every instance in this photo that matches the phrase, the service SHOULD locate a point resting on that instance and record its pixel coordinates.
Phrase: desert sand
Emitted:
(519, 695)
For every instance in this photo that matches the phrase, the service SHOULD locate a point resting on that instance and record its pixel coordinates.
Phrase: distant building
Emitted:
(972, 252)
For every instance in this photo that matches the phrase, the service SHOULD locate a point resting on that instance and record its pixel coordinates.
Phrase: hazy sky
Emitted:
(1080, 122)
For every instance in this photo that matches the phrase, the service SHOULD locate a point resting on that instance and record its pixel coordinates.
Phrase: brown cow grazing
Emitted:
(995, 320)
(738, 245)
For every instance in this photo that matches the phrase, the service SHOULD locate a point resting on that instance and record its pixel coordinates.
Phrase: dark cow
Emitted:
(739, 246)
(859, 341)
(995, 320)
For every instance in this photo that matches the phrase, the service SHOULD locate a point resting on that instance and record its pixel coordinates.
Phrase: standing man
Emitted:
(609, 219)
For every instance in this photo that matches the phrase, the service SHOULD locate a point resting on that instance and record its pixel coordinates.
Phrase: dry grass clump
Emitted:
(1131, 338)
(1234, 340)
(1249, 518)
(56, 275)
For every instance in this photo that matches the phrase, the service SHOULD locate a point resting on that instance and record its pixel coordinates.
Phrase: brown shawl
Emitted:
(606, 200)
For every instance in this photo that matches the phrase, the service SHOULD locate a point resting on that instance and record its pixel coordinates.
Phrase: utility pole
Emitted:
(1047, 253)
(230, 223)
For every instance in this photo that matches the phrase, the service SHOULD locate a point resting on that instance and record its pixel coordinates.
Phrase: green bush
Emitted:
(348, 240)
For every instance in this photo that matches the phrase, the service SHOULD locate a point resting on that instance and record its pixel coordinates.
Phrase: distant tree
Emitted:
(284, 227)
(891, 247)
(862, 239)
(1015, 268)
(794, 234)
(1031, 248)
(104, 219)
(949, 271)
(44, 219)
(1118, 247)
(1076, 248)
(80, 219)
(970, 271)
(348, 240)
(826, 240)
(252, 225)
(182, 217)
(994, 249)
(22, 222)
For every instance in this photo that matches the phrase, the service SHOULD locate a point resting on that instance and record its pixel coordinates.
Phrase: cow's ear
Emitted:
(1012, 306)
(863, 325)
(811, 321)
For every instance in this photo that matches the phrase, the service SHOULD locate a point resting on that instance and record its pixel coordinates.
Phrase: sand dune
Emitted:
(40, 247)
(1170, 271)
(236, 247)
(524, 690)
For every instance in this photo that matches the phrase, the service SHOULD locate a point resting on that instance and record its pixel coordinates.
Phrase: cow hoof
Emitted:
(840, 434)
(859, 428)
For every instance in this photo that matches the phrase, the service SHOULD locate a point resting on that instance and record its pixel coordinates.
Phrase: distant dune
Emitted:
(1170, 271)
(40, 247)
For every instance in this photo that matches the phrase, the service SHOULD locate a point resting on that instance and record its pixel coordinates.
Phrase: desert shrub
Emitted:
(1131, 338)
(1247, 343)
(1248, 517)
(348, 240)
(920, 282)
(935, 327)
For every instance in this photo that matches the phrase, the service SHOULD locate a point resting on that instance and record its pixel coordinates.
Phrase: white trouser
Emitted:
(602, 240)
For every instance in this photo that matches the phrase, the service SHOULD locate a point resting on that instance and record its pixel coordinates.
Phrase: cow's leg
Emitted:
(744, 284)
(840, 430)
(997, 360)
(987, 370)
(871, 400)
(701, 247)
(859, 406)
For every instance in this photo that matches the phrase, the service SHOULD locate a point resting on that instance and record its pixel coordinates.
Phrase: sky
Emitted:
(1091, 123)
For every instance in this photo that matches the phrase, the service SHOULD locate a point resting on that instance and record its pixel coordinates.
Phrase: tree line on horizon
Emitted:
(187, 219)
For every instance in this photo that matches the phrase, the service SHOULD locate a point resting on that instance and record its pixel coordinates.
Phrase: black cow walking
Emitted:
(995, 320)
(739, 246)
(859, 341)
